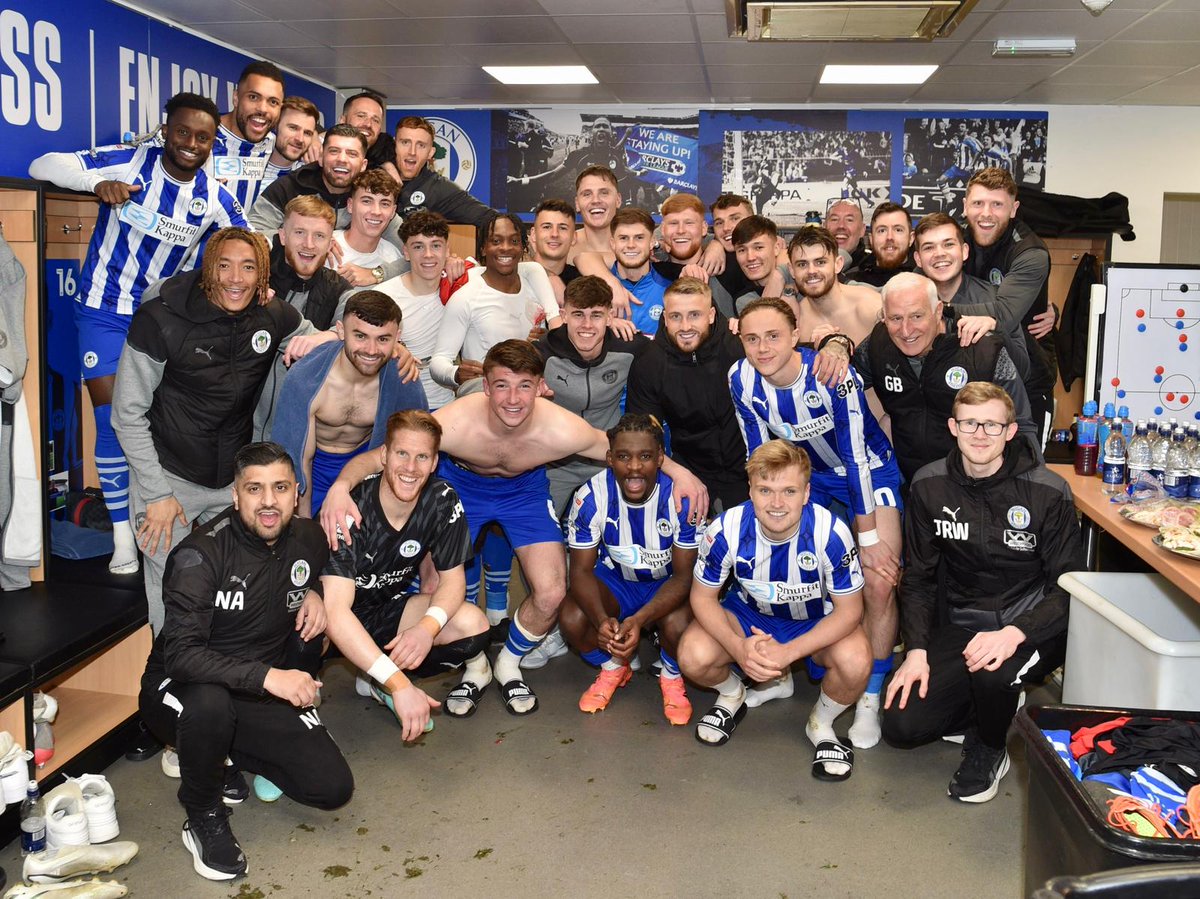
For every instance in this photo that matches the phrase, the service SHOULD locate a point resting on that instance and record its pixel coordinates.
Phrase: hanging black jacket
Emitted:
(1072, 334)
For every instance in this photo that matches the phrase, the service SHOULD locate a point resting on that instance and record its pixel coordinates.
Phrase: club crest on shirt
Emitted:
(956, 377)
(417, 198)
(300, 572)
(812, 399)
(198, 206)
(261, 341)
(663, 527)
(1018, 517)
(995, 276)
(807, 561)
(409, 548)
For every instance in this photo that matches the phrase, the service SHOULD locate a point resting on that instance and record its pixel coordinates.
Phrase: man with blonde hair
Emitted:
(796, 593)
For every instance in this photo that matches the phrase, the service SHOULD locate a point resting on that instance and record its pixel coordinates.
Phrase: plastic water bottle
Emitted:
(1137, 454)
(1179, 466)
(1161, 445)
(1194, 475)
(1123, 412)
(1114, 469)
(1087, 450)
(1103, 429)
(33, 821)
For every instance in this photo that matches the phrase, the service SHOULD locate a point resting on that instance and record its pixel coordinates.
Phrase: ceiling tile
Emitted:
(1072, 93)
(522, 54)
(613, 7)
(342, 75)
(406, 55)
(642, 29)
(441, 77)
(189, 12)
(292, 10)
(303, 59)
(664, 93)
(861, 94)
(1026, 74)
(650, 74)
(1077, 23)
(1168, 25)
(373, 32)
(738, 92)
(618, 54)
(760, 53)
(1120, 52)
(967, 93)
(257, 34)
(1133, 78)
(1163, 95)
(796, 74)
(423, 9)
(915, 52)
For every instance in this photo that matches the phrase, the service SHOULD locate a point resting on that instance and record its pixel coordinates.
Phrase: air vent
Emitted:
(848, 20)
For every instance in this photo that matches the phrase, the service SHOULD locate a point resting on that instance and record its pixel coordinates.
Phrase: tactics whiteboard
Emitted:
(1147, 360)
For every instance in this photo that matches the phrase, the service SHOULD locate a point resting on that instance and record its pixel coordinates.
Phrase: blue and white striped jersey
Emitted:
(966, 152)
(242, 166)
(792, 579)
(833, 425)
(635, 540)
(158, 233)
(274, 173)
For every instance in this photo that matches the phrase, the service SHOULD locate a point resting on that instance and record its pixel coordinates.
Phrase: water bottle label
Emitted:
(1176, 484)
(1114, 472)
(1194, 487)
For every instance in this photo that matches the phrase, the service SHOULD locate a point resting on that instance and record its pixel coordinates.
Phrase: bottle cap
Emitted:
(1089, 408)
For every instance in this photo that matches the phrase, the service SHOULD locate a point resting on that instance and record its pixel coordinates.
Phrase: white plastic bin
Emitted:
(1133, 642)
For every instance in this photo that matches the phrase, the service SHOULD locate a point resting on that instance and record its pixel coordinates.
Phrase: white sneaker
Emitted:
(69, 889)
(170, 762)
(362, 686)
(45, 708)
(14, 772)
(66, 820)
(52, 865)
(100, 807)
(552, 646)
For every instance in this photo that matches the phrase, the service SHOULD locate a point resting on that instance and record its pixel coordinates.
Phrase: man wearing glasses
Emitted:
(994, 529)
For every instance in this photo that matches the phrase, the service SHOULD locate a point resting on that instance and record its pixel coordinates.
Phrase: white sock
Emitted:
(508, 665)
(125, 554)
(495, 616)
(731, 694)
(865, 732)
(478, 672)
(776, 688)
(821, 718)
(611, 665)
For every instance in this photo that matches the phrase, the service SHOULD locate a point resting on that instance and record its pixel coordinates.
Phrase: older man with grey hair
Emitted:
(915, 361)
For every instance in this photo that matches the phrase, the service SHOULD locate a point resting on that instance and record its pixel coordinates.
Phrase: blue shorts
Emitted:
(102, 336)
(325, 469)
(954, 173)
(630, 595)
(520, 505)
(832, 490)
(783, 630)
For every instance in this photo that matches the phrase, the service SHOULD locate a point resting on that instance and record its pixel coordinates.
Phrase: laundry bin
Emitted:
(1133, 642)
(1179, 881)
(1066, 833)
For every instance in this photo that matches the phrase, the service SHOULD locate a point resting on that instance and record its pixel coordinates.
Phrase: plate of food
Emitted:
(1181, 541)
(1161, 514)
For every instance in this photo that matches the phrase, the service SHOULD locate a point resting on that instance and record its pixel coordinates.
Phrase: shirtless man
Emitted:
(815, 264)
(495, 445)
(336, 401)
(597, 199)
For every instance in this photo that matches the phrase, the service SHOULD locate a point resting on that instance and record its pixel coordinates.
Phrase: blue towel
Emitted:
(69, 541)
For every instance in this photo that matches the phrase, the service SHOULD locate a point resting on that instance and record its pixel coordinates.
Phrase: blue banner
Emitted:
(83, 74)
(663, 157)
(463, 153)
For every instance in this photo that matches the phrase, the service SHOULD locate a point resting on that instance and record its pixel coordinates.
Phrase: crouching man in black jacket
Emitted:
(998, 528)
(242, 594)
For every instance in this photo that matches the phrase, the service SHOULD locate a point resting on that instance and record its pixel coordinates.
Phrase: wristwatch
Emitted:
(377, 273)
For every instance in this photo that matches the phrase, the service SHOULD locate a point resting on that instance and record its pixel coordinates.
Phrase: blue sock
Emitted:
(669, 666)
(879, 673)
(472, 572)
(519, 641)
(596, 657)
(112, 467)
(497, 564)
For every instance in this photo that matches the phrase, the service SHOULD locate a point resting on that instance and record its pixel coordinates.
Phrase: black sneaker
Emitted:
(144, 745)
(215, 850)
(235, 790)
(978, 777)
